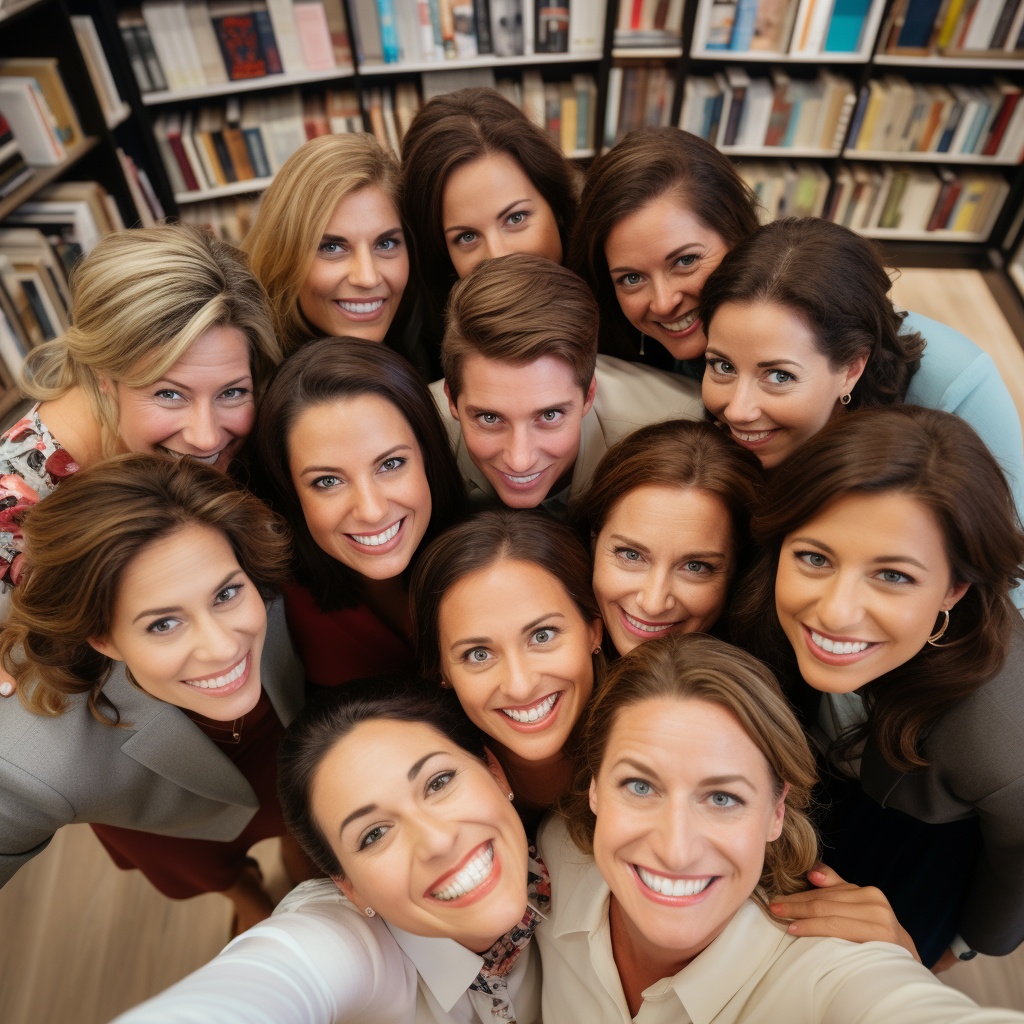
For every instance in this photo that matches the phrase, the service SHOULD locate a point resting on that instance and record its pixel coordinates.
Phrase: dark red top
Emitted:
(336, 647)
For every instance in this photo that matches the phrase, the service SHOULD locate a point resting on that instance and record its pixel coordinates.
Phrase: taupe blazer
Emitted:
(976, 755)
(160, 773)
(629, 396)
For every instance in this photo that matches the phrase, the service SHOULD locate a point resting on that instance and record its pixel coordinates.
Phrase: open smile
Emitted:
(522, 483)
(534, 717)
(379, 543)
(674, 890)
(225, 683)
(208, 459)
(753, 438)
(644, 629)
(471, 880)
(363, 309)
(686, 324)
(834, 650)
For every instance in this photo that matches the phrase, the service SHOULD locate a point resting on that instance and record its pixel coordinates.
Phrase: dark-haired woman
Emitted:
(891, 544)
(480, 180)
(666, 517)
(354, 455)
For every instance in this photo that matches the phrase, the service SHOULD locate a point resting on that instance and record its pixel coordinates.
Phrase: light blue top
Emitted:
(957, 377)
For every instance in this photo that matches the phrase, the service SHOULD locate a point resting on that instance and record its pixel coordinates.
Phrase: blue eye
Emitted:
(375, 835)
(699, 567)
(551, 415)
(892, 576)
(629, 555)
(517, 218)
(724, 800)
(390, 465)
(329, 248)
(477, 656)
(813, 559)
(233, 393)
(439, 781)
(168, 394)
(388, 244)
(544, 636)
(781, 377)
(465, 238)
(638, 787)
(488, 418)
(721, 367)
(631, 279)
(324, 483)
(162, 625)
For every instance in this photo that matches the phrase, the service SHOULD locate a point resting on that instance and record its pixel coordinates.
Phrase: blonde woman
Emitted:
(330, 247)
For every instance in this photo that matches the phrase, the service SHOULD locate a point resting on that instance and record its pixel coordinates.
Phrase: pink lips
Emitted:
(360, 317)
(379, 549)
(828, 657)
(541, 724)
(642, 634)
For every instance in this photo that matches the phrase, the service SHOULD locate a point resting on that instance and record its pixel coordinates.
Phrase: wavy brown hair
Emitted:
(455, 129)
(645, 165)
(693, 666)
(80, 540)
(836, 281)
(938, 460)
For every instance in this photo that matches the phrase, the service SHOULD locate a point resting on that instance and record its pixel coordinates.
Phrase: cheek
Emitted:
(238, 420)
(715, 396)
(463, 262)
(322, 517)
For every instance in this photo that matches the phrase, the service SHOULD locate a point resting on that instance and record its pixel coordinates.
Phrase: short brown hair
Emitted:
(517, 309)
(693, 666)
(80, 540)
(649, 163)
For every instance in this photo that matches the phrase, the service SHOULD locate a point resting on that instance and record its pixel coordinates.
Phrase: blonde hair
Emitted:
(693, 666)
(295, 211)
(141, 298)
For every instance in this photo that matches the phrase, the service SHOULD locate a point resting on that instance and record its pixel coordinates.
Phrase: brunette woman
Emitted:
(480, 180)
(154, 681)
(505, 616)
(354, 456)
(687, 817)
(882, 597)
(666, 516)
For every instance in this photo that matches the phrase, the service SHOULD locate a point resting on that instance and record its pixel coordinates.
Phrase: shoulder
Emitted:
(947, 357)
(568, 866)
(634, 395)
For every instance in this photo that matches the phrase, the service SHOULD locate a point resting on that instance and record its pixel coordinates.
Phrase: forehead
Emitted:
(349, 430)
(658, 228)
(671, 519)
(217, 355)
(755, 332)
(367, 213)
(485, 186)
(517, 390)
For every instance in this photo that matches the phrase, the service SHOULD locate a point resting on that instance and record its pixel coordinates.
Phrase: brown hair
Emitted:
(455, 129)
(938, 460)
(677, 453)
(80, 540)
(836, 281)
(647, 164)
(693, 666)
(516, 309)
(494, 535)
(333, 370)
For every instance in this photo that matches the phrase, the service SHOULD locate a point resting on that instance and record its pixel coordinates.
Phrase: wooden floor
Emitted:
(81, 941)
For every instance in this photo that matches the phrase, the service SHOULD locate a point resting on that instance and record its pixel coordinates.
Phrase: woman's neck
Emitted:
(536, 784)
(73, 425)
(389, 601)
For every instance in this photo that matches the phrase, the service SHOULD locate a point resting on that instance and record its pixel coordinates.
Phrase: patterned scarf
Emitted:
(502, 956)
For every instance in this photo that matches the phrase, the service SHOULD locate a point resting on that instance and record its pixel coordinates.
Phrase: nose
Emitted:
(655, 595)
(434, 835)
(667, 296)
(519, 454)
(217, 642)
(518, 684)
(839, 607)
(201, 430)
(744, 405)
(371, 504)
(363, 272)
(676, 838)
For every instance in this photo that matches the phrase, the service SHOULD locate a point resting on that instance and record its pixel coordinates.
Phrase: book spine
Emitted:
(743, 30)
(153, 65)
(268, 41)
(482, 20)
(996, 135)
(240, 46)
(257, 152)
(388, 31)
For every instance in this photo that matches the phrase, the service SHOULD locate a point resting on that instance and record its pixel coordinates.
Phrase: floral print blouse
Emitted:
(32, 463)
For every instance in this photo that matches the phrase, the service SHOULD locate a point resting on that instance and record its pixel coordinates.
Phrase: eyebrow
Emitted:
(415, 769)
(528, 628)
(185, 387)
(674, 254)
(497, 216)
(341, 238)
(474, 410)
(880, 560)
(379, 458)
(711, 780)
(637, 546)
(177, 608)
(370, 808)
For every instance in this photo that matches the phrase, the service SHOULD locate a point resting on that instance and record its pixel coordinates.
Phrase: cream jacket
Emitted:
(753, 973)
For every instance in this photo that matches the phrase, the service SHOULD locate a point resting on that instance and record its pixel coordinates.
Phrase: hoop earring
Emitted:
(370, 912)
(642, 338)
(939, 634)
(846, 399)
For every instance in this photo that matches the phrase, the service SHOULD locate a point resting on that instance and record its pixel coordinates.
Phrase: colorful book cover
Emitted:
(743, 29)
(917, 26)
(240, 45)
(844, 31)
(388, 31)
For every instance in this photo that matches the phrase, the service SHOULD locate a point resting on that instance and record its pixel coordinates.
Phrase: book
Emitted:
(45, 72)
(99, 69)
(239, 40)
(33, 125)
(314, 35)
(282, 19)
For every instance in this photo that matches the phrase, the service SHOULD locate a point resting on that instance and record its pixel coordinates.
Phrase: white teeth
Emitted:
(681, 325)
(522, 479)
(645, 628)
(838, 646)
(759, 435)
(361, 307)
(535, 714)
(208, 459)
(673, 886)
(372, 540)
(472, 875)
(216, 684)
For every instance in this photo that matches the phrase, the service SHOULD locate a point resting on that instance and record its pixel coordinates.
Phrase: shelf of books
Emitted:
(246, 85)
(479, 61)
(958, 34)
(40, 177)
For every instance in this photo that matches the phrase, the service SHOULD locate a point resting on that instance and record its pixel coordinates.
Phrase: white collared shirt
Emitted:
(317, 960)
(753, 973)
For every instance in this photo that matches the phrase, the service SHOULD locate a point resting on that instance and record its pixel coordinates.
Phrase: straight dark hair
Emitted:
(459, 127)
(836, 281)
(645, 165)
(333, 370)
(493, 535)
(330, 716)
(938, 460)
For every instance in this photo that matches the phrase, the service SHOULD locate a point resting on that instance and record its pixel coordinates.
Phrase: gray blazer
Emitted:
(159, 774)
(976, 752)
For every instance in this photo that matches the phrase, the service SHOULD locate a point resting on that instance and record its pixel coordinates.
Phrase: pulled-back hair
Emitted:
(457, 128)
(517, 309)
(141, 299)
(836, 281)
(330, 716)
(694, 666)
(334, 370)
(495, 535)
(938, 460)
(81, 539)
(645, 165)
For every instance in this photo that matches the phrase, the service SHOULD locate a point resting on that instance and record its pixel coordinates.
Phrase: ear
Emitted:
(596, 633)
(497, 771)
(593, 795)
(106, 386)
(452, 408)
(855, 371)
(955, 592)
(591, 394)
(778, 814)
(348, 890)
(105, 647)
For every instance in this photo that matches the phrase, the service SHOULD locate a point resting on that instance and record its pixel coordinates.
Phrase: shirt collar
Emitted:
(585, 909)
(447, 968)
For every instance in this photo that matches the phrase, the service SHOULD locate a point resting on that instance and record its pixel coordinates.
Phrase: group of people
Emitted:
(612, 602)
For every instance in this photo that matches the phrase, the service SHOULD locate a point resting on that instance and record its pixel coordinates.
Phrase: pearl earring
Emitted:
(511, 796)
(370, 912)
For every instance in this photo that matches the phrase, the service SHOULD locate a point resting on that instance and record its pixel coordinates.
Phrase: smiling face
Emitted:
(519, 656)
(662, 563)
(860, 588)
(424, 832)
(685, 803)
(360, 269)
(768, 381)
(521, 424)
(491, 208)
(190, 625)
(358, 471)
(659, 258)
(203, 406)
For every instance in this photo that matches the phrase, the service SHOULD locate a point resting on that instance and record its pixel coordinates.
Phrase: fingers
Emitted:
(8, 684)
(843, 893)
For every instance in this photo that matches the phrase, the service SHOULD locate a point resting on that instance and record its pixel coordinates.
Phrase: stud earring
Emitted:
(370, 912)
(444, 685)
(846, 399)
(941, 631)
(511, 796)
(596, 650)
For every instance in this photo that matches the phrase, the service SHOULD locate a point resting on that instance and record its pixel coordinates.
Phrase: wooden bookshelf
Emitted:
(978, 63)
(44, 175)
(897, 157)
(485, 61)
(780, 152)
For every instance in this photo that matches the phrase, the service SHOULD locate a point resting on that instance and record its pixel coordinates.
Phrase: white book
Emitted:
(802, 12)
(611, 113)
(89, 41)
(821, 18)
(757, 112)
(1015, 29)
(211, 62)
(722, 81)
(407, 22)
(586, 26)
(1013, 137)
(533, 97)
(77, 213)
(528, 27)
(11, 350)
(191, 151)
(983, 24)
(160, 32)
(970, 109)
(807, 131)
(186, 43)
(919, 199)
(673, 19)
(24, 106)
(282, 18)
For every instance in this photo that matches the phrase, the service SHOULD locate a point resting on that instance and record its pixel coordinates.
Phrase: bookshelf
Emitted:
(282, 81)
(44, 175)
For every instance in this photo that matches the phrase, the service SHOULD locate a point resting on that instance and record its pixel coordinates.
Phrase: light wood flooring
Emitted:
(80, 941)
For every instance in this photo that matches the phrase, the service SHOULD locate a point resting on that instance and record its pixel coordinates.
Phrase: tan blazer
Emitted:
(629, 396)
(159, 774)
